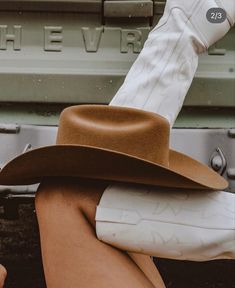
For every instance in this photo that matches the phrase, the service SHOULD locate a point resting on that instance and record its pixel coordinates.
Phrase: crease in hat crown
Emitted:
(126, 130)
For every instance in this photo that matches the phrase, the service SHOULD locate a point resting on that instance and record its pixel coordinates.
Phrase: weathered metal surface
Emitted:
(9, 128)
(45, 114)
(84, 6)
(206, 118)
(130, 9)
(61, 57)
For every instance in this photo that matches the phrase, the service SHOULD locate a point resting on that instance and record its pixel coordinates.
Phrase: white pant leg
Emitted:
(183, 225)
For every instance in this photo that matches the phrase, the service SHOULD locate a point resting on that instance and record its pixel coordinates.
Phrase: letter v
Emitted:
(92, 38)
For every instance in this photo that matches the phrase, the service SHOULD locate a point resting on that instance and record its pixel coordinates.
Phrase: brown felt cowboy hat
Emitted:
(111, 143)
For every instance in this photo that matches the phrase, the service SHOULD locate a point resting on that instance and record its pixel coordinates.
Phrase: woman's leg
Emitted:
(3, 275)
(148, 267)
(72, 255)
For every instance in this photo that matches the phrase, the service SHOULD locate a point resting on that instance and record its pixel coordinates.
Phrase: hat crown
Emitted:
(131, 131)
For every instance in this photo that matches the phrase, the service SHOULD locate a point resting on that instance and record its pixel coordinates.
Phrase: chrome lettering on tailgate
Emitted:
(15, 37)
(53, 38)
(92, 38)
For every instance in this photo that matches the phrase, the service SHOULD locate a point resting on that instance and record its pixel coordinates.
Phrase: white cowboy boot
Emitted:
(229, 7)
(186, 225)
(162, 74)
(182, 225)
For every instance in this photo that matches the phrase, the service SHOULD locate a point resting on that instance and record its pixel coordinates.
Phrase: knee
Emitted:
(49, 193)
(81, 194)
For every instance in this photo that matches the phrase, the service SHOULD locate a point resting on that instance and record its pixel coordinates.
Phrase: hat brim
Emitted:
(97, 163)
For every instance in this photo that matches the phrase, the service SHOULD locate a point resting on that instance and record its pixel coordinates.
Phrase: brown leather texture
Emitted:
(112, 143)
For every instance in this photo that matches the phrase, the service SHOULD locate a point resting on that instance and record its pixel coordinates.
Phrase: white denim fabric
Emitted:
(192, 225)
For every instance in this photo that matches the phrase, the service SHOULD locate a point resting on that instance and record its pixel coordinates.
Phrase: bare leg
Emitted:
(3, 275)
(147, 266)
(72, 255)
